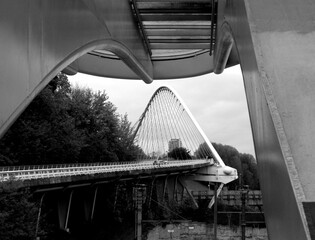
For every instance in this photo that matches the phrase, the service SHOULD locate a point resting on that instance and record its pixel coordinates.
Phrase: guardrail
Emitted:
(59, 170)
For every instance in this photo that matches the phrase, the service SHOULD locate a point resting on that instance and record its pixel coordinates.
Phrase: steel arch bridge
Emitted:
(167, 124)
(176, 173)
(185, 128)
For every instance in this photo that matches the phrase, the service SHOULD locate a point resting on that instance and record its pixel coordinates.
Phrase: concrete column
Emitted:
(275, 41)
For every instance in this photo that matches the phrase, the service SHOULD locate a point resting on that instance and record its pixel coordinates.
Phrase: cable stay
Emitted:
(167, 130)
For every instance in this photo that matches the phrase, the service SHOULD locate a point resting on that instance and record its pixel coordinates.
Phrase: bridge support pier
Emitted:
(89, 204)
(169, 189)
(64, 205)
(39, 215)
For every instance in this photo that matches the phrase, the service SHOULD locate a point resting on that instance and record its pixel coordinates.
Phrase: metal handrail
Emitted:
(29, 172)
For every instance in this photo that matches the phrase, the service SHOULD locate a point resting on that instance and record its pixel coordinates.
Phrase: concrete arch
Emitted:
(42, 38)
(113, 46)
(120, 50)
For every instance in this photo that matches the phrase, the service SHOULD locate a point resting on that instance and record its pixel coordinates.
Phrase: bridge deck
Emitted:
(39, 175)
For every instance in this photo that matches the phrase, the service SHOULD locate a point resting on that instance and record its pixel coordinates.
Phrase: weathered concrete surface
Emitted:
(275, 42)
(203, 231)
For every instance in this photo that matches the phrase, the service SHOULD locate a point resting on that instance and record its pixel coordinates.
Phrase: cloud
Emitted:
(217, 102)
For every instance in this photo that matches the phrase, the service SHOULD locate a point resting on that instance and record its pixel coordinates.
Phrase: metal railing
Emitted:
(30, 172)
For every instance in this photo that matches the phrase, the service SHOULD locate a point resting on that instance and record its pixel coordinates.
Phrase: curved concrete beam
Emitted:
(162, 69)
(223, 48)
(42, 38)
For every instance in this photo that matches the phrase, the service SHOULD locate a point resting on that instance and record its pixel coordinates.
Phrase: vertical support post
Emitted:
(139, 194)
(151, 192)
(175, 189)
(164, 188)
(139, 220)
(243, 221)
(64, 205)
(116, 196)
(182, 195)
(215, 221)
(89, 200)
(68, 211)
(38, 216)
(94, 202)
(243, 199)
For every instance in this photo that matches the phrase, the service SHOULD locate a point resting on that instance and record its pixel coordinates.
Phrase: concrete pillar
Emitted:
(275, 41)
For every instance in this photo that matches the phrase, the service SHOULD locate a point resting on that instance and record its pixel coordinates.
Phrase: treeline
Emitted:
(73, 125)
(68, 125)
(244, 163)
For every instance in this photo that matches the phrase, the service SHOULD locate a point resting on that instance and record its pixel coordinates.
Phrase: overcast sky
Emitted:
(217, 102)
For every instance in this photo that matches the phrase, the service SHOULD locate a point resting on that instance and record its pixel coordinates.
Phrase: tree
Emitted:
(249, 171)
(245, 164)
(126, 148)
(203, 151)
(38, 136)
(18, 213)
(68, 125)
(98, 121)
(180, 153)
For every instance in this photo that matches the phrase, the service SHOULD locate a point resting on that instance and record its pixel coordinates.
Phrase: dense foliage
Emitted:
(179, 153)
(66, 125)
(244, 163)
(18, 213)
